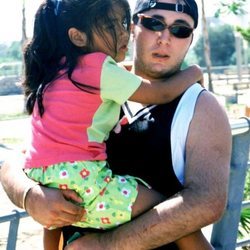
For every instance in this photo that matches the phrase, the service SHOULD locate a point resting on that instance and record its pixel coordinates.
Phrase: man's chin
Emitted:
(159, 72)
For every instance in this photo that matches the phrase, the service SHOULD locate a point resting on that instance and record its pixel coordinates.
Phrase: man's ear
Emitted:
(132, 31)
(192, 39)
(78, 38)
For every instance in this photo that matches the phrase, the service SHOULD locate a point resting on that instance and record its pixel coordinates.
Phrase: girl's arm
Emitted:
(165, 90)
(194, 241)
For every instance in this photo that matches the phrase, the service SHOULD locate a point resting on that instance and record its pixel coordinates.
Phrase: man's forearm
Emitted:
(14, 181)
(167, 222)
(159, 226)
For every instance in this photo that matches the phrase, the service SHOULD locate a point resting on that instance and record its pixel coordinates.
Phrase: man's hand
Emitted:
(50, 207)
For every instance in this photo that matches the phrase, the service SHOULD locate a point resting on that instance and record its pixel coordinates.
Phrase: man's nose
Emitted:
(164, 36)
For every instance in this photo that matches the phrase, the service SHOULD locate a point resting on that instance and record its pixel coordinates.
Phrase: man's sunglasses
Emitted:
(154, 24)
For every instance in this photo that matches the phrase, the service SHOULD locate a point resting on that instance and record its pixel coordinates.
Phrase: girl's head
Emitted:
(95, 25)
(67, 29)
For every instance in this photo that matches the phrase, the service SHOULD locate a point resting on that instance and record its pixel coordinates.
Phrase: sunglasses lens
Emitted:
(152, 24)
(180, 31)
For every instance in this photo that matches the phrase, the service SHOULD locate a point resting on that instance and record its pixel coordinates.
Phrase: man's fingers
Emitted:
(71, 195)
(64, 212)
(59, 211)
(77, 211)
(61, 219)
(73, 213)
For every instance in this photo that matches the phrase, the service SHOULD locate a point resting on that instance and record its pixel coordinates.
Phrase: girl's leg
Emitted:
(146, 199)
(51, 239)
(194, 241)
(61, 242)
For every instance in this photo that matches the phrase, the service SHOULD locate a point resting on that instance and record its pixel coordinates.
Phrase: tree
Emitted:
(206, 47)
(24, 41)
(14, 51)
(3, 49)
(235, 7)
(222, 46)
(245, 33)
(24, 33)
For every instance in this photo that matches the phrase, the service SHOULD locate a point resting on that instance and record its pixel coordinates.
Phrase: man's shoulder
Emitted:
(209, 111)
(208, 101)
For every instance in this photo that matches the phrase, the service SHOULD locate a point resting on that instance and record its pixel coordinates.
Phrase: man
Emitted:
(190, 164)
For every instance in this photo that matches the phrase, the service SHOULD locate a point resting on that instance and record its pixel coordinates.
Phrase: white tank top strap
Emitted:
(179, 128)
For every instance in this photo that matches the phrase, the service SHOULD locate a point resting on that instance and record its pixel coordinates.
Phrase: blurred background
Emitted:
(221, 47)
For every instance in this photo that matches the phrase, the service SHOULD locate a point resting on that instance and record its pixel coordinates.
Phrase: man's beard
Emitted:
(164, 74)
(147, 71)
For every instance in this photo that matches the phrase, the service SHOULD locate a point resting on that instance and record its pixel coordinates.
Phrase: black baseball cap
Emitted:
(190, 8)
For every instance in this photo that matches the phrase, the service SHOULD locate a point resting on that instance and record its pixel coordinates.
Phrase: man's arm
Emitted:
(202, 202)
(15, 187)
(47, 206)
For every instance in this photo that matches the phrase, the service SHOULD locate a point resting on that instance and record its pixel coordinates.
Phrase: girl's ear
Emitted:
(77, 37)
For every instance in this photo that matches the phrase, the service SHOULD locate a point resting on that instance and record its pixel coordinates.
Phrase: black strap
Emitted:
(173, 7)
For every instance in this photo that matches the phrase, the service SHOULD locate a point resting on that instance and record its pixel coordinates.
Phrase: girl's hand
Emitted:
(197, 71)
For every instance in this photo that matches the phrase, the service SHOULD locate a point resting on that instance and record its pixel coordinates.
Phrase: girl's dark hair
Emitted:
(51, 50)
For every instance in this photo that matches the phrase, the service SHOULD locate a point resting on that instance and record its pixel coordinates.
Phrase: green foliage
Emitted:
(3, 49)
(244, 226)
(222, 46)
(12, 52)
(15, 51)
(12, 116)
(191, 58)
(238, 8)
(234, 7)
(245, 33)
(247, 186)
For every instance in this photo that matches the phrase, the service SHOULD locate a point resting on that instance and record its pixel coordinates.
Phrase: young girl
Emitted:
(75, 90)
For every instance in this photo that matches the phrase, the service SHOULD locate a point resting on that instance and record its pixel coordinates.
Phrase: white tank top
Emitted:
(179, 129)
